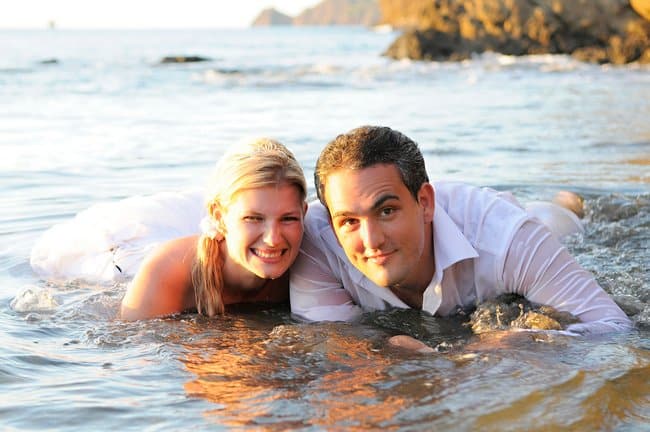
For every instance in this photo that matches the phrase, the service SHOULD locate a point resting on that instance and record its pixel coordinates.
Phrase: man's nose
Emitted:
(371, 234)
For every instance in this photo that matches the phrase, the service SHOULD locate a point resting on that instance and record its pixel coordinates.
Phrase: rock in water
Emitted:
(535, 320)
(183, 59)
(599, 31)
(509, 311)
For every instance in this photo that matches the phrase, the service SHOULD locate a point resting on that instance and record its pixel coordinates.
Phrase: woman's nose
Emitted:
(272, 235)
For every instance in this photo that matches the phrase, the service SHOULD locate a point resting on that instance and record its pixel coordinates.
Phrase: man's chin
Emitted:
(376, 275)
(382, 282)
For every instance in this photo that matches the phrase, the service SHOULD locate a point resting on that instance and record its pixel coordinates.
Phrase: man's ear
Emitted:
(427, 199)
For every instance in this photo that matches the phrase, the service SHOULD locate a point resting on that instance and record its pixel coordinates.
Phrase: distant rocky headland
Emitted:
(599, 31)
(272, 17)
(327, 12)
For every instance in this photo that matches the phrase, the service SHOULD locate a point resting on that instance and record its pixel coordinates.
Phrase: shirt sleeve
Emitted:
(539, 268)
(316, 293)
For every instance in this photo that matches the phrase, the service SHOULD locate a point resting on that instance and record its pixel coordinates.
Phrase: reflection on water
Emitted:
(320, 375)
(232, 381)
(265, 375)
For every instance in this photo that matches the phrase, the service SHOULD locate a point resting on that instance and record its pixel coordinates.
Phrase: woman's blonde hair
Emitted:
(260, 163)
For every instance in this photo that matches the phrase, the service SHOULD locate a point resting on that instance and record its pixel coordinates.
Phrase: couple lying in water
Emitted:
(380, 236)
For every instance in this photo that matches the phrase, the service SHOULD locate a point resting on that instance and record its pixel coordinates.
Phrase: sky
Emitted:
(90, 14)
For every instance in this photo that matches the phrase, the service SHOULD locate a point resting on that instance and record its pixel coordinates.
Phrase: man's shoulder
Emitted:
(459, 190)
(453, 195)
(317, 216)
(319, 233)
(486, 217)
(317, 225)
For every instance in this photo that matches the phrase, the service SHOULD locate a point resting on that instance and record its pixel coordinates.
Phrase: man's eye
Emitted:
(387, 211)
(290, 219)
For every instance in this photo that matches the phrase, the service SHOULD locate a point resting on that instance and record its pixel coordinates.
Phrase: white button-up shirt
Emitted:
(484, 245)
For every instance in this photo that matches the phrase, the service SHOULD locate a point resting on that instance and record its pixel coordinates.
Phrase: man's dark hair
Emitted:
(367, 146)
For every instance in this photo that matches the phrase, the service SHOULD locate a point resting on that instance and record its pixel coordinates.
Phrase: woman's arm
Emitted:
(163, 284)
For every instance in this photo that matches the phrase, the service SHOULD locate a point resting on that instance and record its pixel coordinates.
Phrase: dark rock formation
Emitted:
(601, 31)
(509, 311)
(271, 17)
(183, 59)
(327, 12)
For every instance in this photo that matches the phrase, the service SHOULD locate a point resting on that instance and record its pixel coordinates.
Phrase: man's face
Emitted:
(383, 230)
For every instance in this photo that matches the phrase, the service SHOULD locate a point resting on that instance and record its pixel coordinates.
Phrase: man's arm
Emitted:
(315, 291)
(538, 267)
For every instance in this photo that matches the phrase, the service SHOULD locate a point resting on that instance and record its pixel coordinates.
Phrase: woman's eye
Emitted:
(290, 219)
(252, 218)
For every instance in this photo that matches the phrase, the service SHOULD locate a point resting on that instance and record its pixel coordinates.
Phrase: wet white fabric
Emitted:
(541, 269)
(483, 247)
(560, 221)
(108, 241)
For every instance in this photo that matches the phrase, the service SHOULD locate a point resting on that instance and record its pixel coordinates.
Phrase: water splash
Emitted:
(34, 299)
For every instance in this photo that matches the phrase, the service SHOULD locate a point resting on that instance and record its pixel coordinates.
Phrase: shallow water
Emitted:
(107, 122)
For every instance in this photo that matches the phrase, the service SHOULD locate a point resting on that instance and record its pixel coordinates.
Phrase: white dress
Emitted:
(108, 241)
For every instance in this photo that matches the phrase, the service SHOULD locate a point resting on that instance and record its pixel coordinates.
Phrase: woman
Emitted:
(250, 237)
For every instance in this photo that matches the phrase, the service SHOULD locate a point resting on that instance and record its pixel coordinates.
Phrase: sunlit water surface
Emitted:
(108, 122)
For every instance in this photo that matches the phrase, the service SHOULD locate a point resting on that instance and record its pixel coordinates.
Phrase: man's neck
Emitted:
(411, 297)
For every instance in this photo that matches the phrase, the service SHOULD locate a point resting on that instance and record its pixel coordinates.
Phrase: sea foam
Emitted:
(31, 298)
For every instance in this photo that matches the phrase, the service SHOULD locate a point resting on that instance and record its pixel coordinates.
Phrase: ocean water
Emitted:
(106, 121)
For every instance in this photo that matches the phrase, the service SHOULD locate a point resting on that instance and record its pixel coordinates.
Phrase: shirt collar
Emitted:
(449, 247)
(449, 244)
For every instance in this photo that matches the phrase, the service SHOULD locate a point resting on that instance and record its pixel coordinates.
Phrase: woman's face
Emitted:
(263, 229)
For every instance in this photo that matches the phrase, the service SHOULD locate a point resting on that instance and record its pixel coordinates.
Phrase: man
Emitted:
(383, 236)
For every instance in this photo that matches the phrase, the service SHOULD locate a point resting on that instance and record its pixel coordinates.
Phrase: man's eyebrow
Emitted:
(380, 202)
(376, 205)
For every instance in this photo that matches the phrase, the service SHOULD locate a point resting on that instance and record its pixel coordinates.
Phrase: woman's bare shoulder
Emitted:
(163, 284)
(179, 249)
